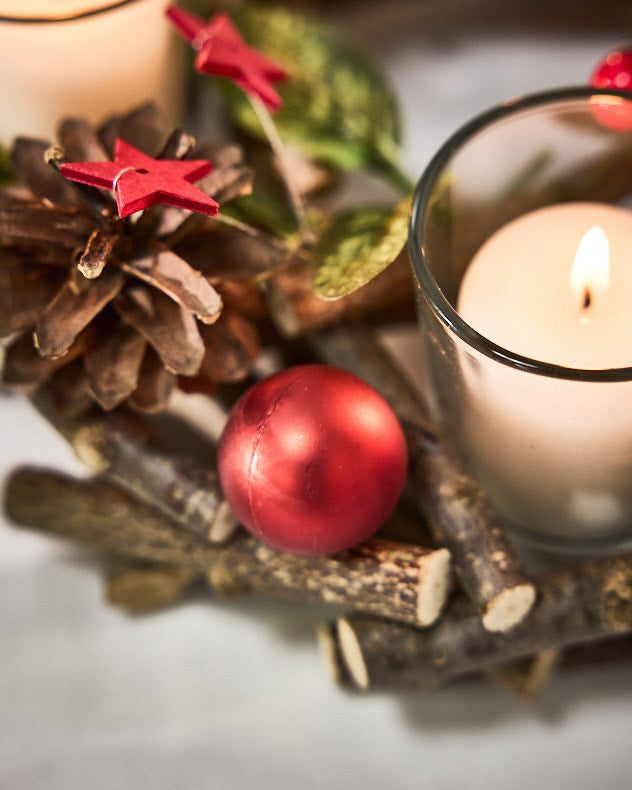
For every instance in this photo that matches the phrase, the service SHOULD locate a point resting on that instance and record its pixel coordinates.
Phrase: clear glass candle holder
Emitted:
(548, 438)
(84, 58)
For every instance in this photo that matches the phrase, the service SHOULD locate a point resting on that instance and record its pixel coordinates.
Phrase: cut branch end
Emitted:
(509, 608)
(352, 654)
(434, 587)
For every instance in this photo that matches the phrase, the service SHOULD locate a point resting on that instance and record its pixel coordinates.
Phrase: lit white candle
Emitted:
(556, 286)
(91, 59)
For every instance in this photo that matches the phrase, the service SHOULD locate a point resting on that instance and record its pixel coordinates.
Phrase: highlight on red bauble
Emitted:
(613, 71)
(312, 460)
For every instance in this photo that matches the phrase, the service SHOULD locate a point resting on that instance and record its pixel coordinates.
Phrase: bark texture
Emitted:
(578, 605)
(459, 513)
(406, 583)
(128, 449)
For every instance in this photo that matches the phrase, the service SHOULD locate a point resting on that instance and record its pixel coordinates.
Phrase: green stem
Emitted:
(270, 129)
(235, 223)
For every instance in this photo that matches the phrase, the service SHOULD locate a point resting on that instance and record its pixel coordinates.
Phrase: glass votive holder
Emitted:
(528, 355)
(84, 58)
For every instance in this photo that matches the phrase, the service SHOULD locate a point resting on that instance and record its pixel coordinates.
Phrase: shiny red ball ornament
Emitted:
(613, 71)
(312, 460)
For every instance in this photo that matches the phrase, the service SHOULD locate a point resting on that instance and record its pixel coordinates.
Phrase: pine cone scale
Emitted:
(29, 161)
(25, 292)
(155, 385)
(166, 325)
(80, 141)
(146, 128)
(41, 224)
(113, 365)
(96, 254)
(72, 309)
(125, 310)
(24, 366)
(173, 276)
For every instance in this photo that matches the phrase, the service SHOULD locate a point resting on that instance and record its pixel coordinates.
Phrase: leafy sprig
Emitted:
(339, 110)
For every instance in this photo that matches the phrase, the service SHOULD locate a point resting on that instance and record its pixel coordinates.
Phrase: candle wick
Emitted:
(587, 299)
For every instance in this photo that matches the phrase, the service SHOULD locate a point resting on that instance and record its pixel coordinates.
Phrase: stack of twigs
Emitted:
(452, 600)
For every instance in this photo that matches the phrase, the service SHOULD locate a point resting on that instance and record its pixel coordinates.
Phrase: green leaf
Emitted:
(357, 246)
(263, 210)
(337, 106)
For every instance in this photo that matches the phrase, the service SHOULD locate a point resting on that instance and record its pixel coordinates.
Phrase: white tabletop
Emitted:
(235, 694)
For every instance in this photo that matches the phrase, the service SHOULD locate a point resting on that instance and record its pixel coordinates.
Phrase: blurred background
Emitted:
(235, 694)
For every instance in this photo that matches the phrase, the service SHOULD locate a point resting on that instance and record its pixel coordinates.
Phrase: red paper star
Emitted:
(140, 181)
(222, 51)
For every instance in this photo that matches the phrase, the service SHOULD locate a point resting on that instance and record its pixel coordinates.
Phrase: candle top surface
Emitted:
(518, 293)
(51, 9)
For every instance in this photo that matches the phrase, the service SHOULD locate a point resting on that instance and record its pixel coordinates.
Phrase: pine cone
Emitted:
(124, 310)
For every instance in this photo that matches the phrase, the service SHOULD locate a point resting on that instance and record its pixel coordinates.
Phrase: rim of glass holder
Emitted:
(421, 198)
(99, 8)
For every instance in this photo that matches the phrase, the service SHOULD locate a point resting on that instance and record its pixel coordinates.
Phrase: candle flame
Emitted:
(590, 273)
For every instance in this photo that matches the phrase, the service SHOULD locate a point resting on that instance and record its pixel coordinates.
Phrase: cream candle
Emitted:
(554, 285)
(84, 58)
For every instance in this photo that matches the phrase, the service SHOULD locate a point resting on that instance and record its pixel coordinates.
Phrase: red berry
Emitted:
(614, 71)
(312, 460)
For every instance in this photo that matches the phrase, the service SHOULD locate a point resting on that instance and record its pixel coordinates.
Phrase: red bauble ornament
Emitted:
(312, 460)
(613, 71)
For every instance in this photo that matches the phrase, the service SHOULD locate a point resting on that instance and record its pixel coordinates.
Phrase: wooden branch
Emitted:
(406, 583)
(460, 514)
(527, 678)
(330, 651)
(127, 449)
(582, 604)
(357, 350)
(608, 652)
(141, 587)
(455, 507)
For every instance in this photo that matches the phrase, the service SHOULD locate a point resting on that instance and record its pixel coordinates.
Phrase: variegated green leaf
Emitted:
(357, 246)
(337, 106)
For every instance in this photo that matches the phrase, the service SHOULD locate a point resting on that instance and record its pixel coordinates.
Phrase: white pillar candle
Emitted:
(555, 454)
(90, 58)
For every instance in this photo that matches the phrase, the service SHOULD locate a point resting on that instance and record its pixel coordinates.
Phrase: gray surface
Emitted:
(235, 695)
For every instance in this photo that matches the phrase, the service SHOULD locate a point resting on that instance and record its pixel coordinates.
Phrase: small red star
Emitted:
(222, 51)
(139, 181)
